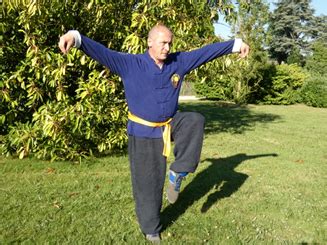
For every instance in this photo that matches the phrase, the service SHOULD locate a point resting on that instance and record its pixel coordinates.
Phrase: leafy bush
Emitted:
(314, 91)
(21, 139)
(317, 62)
(232, 79)
(283, 84)
(214, 84)
(56, 106)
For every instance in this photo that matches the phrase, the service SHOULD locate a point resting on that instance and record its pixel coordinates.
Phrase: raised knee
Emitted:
(197, 118)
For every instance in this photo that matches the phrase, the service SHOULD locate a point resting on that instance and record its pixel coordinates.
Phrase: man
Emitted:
(152, 83)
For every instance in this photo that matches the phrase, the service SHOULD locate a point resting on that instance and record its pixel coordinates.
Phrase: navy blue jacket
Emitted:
(149, 90)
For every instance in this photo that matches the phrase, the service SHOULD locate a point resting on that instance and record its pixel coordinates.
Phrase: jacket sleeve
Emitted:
(197, 57)
(117, 62)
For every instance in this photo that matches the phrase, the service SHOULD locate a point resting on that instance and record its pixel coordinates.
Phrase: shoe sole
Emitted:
(153, 239)
(172, 195)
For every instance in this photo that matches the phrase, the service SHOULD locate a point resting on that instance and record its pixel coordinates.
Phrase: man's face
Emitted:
(159, 45)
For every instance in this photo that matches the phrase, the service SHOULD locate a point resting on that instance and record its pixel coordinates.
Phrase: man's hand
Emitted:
(66, 42)
(244, 51)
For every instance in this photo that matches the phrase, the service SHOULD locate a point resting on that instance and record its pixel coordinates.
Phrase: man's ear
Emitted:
(149, 42)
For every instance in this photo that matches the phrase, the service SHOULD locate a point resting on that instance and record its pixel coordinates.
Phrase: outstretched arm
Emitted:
(197, 57)
(117, 62)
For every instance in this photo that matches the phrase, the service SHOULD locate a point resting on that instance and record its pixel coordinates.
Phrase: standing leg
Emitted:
(148, 170)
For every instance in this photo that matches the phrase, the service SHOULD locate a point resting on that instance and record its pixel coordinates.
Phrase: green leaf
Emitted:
(21, 154)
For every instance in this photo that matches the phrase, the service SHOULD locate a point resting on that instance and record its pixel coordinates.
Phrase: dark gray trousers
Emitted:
(148, 165)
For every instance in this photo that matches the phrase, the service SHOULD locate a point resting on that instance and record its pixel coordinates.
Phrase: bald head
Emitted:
(157, 29)
(159, 42)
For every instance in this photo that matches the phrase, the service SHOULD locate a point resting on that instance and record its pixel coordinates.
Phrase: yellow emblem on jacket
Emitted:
(175, 80)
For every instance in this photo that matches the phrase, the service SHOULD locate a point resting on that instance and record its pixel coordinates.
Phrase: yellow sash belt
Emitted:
(165, 134)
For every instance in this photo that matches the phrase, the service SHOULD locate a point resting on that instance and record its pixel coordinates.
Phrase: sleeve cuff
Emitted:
(77, 38)
(237, 45)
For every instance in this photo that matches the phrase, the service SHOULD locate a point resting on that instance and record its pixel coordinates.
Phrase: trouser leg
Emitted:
(187, 134)
(148, 170)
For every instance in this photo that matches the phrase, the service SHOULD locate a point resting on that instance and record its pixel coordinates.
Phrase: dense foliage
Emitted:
(314, 91)
(60, 107)
(234, 79)
(284, 84)
(317, 62)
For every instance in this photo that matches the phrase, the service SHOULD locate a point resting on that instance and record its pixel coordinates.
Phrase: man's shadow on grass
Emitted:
(220, 175)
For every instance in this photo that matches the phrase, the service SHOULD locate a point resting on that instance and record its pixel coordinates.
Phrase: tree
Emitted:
(53, 105)
(290, 28)
(314, 91)
(230, 78)
(319, 28)
(250, 26)
(317, 62)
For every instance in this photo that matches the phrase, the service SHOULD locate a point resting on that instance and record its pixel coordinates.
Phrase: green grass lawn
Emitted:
(261, 180)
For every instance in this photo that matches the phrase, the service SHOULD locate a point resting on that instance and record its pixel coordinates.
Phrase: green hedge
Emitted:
(314, 91)
(282, 84)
